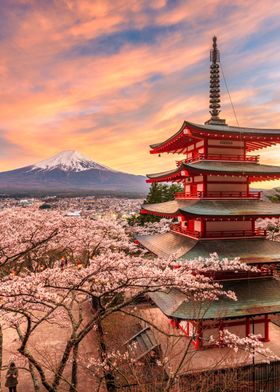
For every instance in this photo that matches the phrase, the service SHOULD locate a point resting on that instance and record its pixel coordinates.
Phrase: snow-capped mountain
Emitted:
(70, 171)
(70, 160)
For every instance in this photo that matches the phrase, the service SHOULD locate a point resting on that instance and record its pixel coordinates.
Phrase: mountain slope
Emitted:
(70, 171)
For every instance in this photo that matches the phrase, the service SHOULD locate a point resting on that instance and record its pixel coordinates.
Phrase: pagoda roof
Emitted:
(208, 208)
(255, 138)
(255, 171)
(254, 297)
(167, 244)
(225, 129)
(250, 251)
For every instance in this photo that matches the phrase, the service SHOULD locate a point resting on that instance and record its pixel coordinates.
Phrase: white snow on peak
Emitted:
(70, 160)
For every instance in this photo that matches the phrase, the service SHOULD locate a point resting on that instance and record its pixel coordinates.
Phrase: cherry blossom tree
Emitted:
(73, 273)
(271, 225)
(160, 227)
(35, 239)
(112, 281)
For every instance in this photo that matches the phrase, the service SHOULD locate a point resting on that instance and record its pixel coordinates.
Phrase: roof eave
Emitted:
(160, 213)
(169, 145)
(238, 131)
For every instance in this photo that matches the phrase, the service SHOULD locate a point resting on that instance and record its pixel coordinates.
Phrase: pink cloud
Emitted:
(105, 104)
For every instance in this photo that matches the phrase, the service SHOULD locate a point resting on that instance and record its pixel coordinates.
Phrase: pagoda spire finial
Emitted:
(214, 95)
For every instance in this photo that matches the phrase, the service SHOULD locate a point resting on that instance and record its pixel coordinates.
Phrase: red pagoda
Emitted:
(217, 212)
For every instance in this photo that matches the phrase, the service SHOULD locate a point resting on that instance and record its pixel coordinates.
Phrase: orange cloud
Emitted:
(72, 77)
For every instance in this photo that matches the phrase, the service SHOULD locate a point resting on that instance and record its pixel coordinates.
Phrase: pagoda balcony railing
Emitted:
(219, 195)
(236, 233)
(218, 234)
(185, 231)
(220, 157)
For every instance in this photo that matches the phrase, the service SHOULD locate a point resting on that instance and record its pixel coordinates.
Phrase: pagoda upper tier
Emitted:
(210, 219)
(253, 172)
(213, 208)
(190, 134)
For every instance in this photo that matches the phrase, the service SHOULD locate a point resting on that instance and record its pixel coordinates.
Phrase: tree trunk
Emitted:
(108, 375)
(74, 375)
(34, 378)
(1, 356)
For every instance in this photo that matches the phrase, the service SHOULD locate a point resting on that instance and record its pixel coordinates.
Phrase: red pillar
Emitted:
(248, 187)
(183, 219)
(221, 331)
(247, 326)
(198, 336)
(205, 186)
(253, 226)
(266, 328)
(205, 148)
(203, 227)
(244, 152)
(174, 323)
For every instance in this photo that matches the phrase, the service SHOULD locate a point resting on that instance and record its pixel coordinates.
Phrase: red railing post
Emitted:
(266, 328)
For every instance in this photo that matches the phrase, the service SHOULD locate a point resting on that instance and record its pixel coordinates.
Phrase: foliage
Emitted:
(271, 225)
(158, 193)
(274, 198)
(141, 219)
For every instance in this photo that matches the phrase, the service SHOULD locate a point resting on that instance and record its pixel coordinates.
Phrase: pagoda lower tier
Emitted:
(258, 300)
(257, 291)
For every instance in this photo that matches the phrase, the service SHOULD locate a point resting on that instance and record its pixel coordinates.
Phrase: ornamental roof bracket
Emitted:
(214, 95)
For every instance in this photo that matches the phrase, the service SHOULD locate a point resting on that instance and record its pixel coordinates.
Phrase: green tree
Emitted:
(274, 198)
(158, 193)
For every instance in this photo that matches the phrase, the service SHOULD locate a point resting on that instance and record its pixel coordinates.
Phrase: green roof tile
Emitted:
(221, 167)
(231, 167)
(202, 207)
(221, 129)
(267, 132)
(255, 297)
(252, 251)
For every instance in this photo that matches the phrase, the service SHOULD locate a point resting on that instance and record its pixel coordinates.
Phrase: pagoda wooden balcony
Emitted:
(219, 195)
(219, 234)
(233, 275)
(236, 233)
(185, 231)
(220, 157)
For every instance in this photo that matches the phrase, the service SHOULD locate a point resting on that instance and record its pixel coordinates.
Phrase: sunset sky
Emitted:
(108, 78)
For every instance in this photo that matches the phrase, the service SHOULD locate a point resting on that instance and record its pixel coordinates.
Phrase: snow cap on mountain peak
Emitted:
(69, 160)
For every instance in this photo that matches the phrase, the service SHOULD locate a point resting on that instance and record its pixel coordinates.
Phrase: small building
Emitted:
(73, 213)
(25, 202)
(45, 206)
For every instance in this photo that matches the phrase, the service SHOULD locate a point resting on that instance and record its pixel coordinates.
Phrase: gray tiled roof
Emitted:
(167, 244)
(231, 167)
(145, 342)
(256, 250)
(255, 297)
(223, 129)
(238, 130)
(202, 207)
(221, 168)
